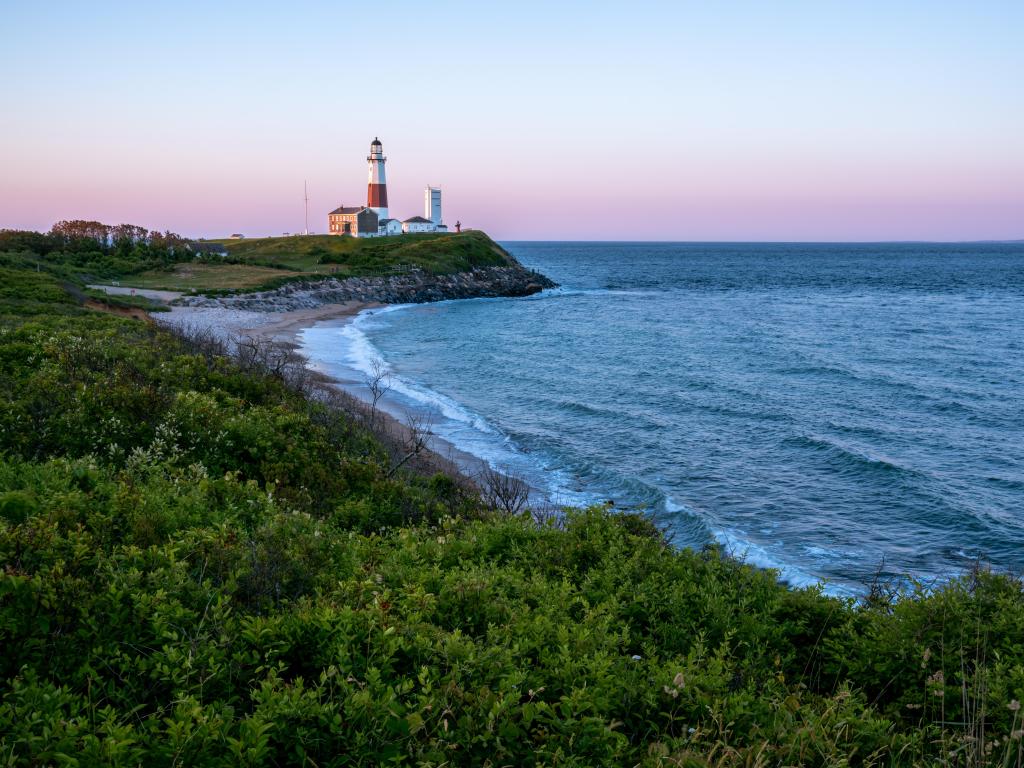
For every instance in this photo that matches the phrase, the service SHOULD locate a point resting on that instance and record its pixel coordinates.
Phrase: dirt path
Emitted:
(134, 312)
(165, 297)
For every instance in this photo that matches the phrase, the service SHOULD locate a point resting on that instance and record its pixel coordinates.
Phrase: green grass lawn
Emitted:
(204, 277)
(288, 248)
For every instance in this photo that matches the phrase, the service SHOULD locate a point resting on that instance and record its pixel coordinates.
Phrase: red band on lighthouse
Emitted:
(377, 196)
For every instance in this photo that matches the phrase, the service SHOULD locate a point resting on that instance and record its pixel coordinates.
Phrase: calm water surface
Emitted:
(816, 408)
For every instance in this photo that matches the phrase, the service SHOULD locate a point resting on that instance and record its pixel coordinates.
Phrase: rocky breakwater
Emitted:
(414, 286)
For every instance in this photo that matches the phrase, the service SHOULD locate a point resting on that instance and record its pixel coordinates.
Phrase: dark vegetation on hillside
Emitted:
(95, 252)
(202, 565)
(440, 253)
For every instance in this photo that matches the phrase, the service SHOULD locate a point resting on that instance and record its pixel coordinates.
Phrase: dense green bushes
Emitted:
(76, 248)
(198, 566)
(27, 292)
(123, 392)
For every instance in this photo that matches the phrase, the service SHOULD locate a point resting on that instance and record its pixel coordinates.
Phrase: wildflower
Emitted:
(1013, 706)
(678, 680)
(673, 692)
(636, 657)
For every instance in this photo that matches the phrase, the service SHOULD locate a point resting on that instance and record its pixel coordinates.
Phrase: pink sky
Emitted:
(749, 124)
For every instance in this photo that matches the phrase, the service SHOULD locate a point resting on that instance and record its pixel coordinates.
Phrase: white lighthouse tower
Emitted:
(377, 191)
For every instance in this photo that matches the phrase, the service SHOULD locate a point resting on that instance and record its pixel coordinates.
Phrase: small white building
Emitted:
(389, 227)
(418, 224)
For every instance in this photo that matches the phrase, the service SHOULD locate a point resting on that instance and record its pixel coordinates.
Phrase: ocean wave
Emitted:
(737, 545)
(819, 369)
(846, 458)
(955, 408)
(860, 430)
(562, 292)
(453, 422)
(1007, 483)
(691, 398)
(362, 355)
(583, 409)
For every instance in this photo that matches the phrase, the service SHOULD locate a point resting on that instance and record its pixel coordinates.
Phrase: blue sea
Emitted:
(826, 410)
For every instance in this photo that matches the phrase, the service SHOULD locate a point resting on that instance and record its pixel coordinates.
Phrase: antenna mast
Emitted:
(305, 194)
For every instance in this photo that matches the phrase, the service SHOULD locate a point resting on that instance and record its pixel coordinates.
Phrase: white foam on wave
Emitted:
(737, 545)
(562, 292)
(361, 355)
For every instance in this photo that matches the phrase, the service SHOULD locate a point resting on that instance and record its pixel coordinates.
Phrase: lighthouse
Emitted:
(377, 191)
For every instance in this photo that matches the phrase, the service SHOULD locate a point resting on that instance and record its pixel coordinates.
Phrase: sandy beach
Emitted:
(285, 326)
(280, 326)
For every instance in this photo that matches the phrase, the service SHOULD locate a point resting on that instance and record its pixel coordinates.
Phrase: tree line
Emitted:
(82, 234)
(103, 249)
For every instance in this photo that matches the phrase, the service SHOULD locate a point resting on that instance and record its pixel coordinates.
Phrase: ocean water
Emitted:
(827, 410)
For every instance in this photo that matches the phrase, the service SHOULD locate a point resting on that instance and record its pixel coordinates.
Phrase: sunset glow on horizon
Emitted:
(652, 121)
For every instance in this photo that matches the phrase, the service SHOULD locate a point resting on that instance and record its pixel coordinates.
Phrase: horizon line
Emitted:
(1014, 241)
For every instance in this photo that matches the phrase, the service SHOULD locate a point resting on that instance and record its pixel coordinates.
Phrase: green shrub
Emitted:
(17, 506)
(200, 567)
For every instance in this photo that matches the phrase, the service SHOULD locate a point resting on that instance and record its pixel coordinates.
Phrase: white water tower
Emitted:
(432, 205)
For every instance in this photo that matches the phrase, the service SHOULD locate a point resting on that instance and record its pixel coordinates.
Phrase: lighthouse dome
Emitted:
(375, 142)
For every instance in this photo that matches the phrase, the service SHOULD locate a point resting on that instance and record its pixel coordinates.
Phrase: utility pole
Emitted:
(305, 193)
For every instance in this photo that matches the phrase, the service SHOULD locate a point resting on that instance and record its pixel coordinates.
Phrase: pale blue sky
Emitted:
(745, 121)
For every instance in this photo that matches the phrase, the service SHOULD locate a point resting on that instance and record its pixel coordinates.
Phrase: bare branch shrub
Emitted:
(378, 381)
(202, 340)
(503, 490)
(883, 591)
(276, 359)
(548, 515)
(416, 435)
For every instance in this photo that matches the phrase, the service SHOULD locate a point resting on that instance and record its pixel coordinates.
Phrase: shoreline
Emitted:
(285, 327)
